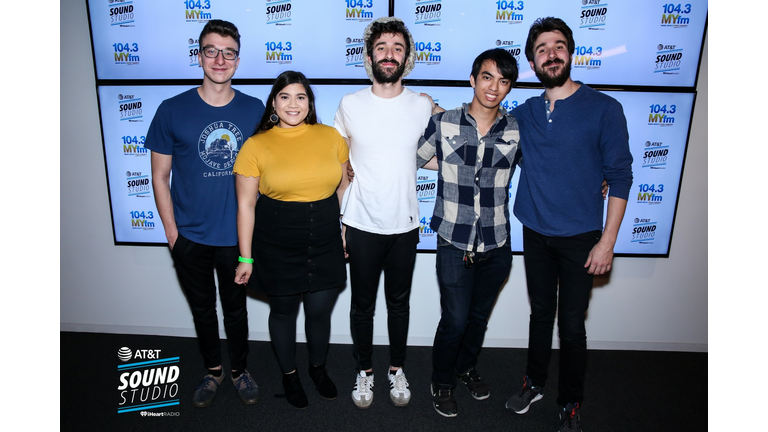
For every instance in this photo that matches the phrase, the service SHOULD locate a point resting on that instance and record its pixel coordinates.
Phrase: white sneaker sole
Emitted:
(399, 402)
(525, 410)
(362, 403)
(443, 414)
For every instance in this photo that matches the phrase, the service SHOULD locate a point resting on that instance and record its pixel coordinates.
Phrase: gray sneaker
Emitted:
(527, 395)
(569, 418)
(246, 388)
(206, 391)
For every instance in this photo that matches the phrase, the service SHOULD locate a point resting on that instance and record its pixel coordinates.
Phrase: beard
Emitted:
(383, 77)
(551, 81)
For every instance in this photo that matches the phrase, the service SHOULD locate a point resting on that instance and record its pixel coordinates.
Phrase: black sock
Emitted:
(215, 372)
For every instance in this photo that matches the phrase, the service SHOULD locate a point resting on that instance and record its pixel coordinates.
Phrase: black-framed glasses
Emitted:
(228, 53)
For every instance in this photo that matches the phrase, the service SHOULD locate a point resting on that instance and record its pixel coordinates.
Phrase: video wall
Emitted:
(644, 54)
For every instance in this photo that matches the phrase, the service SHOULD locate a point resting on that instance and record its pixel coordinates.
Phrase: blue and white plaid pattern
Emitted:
(473, 177)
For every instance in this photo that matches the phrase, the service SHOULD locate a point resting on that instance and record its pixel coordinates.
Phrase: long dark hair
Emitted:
(282, 81)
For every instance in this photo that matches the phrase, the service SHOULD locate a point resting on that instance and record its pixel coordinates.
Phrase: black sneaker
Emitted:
(443, 401)
(569, 418)
(527, 395)
(476, 386)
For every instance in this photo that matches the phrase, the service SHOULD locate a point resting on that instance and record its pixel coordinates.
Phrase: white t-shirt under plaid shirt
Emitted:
(472, 203)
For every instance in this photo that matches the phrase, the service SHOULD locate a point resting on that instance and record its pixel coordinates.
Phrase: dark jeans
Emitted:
(195, 264)
(467, 296)
(369, 254)
(317, 325)
(549, 262)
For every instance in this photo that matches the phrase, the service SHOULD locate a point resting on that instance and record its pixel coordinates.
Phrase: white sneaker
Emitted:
(363, 393)
(398, 388)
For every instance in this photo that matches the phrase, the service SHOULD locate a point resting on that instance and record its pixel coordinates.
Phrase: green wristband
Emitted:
(245, 260)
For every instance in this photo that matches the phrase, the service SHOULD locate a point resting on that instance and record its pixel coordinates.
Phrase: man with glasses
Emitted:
(197, 135)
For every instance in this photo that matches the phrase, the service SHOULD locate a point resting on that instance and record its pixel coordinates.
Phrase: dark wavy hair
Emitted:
(221, 28)
(505, 63)
(390, 25)
(548, 24)
(282, 81)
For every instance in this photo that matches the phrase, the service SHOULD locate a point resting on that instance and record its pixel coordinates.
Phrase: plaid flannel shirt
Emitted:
(472, 203)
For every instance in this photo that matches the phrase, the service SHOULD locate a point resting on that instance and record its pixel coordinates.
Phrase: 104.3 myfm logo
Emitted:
(279, 52)
(676, 15)
(359, 10)
(428, 53)
(662, 115)
(197, 10)
(509, 12)
(126, 53)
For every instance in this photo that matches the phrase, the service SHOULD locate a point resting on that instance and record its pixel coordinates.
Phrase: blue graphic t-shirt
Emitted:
(204, 141)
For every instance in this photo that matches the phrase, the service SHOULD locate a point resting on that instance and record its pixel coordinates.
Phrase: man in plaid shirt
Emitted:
(475, 148)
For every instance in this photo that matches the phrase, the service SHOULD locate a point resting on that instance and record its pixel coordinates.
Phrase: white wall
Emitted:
(645, 304)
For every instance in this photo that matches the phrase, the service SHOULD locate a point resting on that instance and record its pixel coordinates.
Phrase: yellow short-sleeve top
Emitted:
(301, 164)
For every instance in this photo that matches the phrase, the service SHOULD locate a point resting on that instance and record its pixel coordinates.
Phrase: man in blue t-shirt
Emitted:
(196, 135)
(566, 154)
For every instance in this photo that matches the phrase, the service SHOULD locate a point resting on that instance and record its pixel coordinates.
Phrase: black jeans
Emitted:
(317, 325)
(558, 284)
(369, 254)
(467, 296)
(195, 264)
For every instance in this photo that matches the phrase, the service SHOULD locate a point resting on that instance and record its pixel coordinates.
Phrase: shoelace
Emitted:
(525, 391)
(474, 375)
(364, 384)
(400, 383)
(243, 380)
(207, 381)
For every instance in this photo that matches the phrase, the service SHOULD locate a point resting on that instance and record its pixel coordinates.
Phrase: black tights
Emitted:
(282, 326)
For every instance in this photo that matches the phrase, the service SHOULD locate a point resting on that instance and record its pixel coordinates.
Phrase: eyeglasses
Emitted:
(227, 53)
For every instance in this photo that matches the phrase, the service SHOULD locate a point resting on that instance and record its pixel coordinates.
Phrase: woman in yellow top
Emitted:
(289, 188)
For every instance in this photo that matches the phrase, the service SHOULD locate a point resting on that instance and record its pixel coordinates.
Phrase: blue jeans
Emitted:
(467, 296)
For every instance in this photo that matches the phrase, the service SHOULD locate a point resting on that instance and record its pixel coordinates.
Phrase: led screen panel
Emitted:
(658, 128)
(651, 43)
(159, 39)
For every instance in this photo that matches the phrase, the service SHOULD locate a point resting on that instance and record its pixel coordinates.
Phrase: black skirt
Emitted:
(297, 246)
